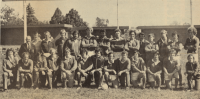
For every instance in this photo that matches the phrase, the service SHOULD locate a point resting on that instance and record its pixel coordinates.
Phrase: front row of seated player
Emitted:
(121, 71)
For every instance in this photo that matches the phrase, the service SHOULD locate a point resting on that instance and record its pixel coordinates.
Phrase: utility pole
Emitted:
(25, 21)
(117, 16)
(191, 12)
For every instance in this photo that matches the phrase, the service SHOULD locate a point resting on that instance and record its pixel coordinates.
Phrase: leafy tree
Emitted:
(57, 18)
(74, 19)
(101, 22)
(15, 21)
(31, 19)
(8, 17)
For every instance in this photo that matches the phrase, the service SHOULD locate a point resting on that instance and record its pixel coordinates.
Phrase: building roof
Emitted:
(45, 25)
(98, 28)
(166, 26)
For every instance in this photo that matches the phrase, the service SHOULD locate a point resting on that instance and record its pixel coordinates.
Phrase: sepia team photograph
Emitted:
(100, 49)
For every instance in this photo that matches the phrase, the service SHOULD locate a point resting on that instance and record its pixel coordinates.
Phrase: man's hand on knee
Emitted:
(114, 72)
(35, 69)
(10, 74)
(68, 72)
(50, 70)
(100, 72)
(92, 72)
(43, 72)
(120, 73)
(106, 73)
(85, 74)
(143, 72)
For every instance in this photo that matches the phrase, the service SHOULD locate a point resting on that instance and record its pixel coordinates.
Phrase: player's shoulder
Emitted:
(73, 57)
(30, 60)
(140, 59)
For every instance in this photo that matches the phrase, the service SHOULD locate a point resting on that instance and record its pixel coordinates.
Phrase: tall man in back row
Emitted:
(47, 44)
(117, 44)
(89, 41)
(60, 42)
(103, 42)
(143, 43)
(74, 44)
(132, 45)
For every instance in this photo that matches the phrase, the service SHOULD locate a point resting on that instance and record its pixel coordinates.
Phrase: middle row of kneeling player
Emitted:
(121, 71)
(125, 69)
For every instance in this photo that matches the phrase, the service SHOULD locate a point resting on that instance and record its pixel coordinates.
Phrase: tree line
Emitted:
(9, 17)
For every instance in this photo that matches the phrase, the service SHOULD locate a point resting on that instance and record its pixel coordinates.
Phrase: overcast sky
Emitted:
(131, 12)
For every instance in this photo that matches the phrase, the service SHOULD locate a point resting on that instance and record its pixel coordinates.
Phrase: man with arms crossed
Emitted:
(89, 41)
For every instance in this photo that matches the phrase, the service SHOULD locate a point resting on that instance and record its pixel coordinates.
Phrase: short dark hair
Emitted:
(84, 50)
(131, 32)
(193, 30)
(175, 33)
(36, 33)
(141, 34)
(76, 31)
(156, 53)
(124, 52)
(98, 49)
(110, 53)
(8, 50)
(152, 34)
(67, 49)
(136, 51)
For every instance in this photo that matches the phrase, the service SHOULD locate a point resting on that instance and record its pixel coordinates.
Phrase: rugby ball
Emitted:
(104, 86)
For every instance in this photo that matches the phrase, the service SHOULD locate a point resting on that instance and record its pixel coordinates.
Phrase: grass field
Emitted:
(92, 93)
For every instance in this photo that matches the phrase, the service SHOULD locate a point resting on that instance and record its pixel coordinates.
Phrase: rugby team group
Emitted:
(119, 61)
